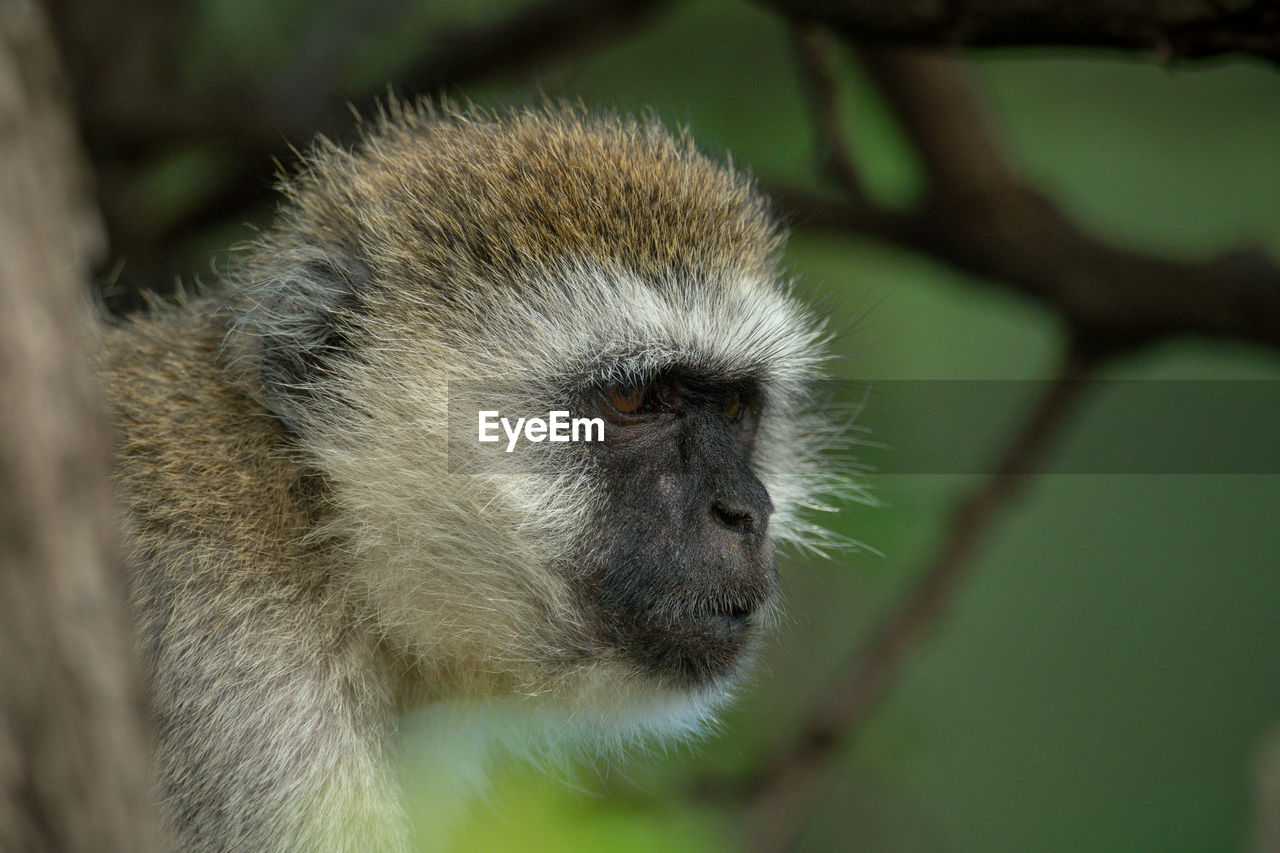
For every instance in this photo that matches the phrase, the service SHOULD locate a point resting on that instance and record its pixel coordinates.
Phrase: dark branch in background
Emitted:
(1171, 29)
(979, 217)
(781, 793)
(254, 127)
(536, 33)
(822, 89)
(265, 120)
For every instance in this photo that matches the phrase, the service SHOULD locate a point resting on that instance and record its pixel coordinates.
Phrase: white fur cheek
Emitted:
(454, 568)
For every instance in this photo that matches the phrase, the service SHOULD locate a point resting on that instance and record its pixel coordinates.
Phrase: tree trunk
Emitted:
(74, 769)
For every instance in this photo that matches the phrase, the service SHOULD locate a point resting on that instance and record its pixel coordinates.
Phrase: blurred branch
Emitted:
(254, 127)
(932, 98)
(822, 90)
(781, 793)
(267, 119)
(544, 30)
(1172, 29)
(980, 218)
(537, 33)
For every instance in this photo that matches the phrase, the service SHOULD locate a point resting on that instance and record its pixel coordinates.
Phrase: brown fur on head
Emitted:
(301, 494)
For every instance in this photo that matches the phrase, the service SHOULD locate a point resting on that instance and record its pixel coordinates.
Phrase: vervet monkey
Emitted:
(315, 552)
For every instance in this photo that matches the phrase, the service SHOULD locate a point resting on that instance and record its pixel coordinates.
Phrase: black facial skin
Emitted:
(684, 566)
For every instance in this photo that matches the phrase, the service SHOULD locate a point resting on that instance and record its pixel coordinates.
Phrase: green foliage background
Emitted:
(1106, 677)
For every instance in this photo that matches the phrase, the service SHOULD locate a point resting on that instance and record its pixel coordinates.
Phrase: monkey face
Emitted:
(680, 569)
(544, 264)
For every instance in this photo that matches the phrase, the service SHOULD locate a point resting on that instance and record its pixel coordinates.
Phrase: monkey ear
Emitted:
(305, 318)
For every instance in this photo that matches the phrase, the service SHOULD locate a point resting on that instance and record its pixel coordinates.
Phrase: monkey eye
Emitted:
(733, 408)
(626, 397)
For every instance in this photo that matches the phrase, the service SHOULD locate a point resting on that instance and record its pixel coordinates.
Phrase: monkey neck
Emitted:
(259, 675)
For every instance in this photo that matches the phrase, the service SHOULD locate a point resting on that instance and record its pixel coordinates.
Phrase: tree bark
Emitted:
(74, 771)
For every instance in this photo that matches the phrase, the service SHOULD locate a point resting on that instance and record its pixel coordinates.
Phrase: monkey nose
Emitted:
(745, 516)
(735, 515)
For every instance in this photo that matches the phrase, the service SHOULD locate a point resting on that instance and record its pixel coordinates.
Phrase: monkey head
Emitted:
(536, 262)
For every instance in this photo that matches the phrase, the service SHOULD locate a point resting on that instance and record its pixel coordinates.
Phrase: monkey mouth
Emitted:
(686, 624)
(722, 624)
(741, 604)
(696, 645)
(733, 610)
